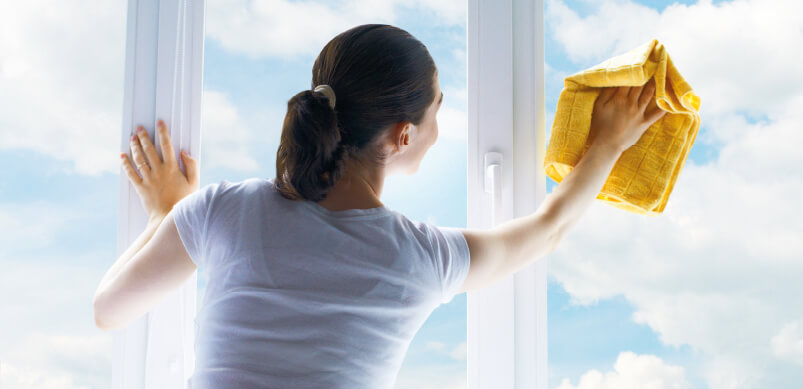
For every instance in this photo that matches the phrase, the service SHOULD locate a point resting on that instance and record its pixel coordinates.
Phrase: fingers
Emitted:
(129, 170)
(647, 93)
(621, 92)
(633, 92)
(147, 146)
(138, 156)
(605, 95)
(642, 93)
(168, 155)
(191, 165)
(655, 114)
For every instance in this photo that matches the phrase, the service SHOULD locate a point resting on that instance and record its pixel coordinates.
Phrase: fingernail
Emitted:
(160, 123)
(140, 129)
(133, 137)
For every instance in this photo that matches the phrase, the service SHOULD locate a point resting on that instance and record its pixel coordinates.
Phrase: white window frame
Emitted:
(506, 322)
(163, 80)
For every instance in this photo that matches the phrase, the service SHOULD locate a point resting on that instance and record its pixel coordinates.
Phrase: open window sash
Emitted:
(163, 70)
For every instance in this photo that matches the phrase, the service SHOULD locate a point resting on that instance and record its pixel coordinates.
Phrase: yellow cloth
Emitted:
(643, 177)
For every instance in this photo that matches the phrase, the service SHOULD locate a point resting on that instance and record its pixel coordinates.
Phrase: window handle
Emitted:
(493, 184)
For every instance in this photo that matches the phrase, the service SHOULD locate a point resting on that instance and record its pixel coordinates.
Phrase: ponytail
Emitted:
(311, 153)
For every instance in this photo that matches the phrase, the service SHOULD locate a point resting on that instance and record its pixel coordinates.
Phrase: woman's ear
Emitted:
(401, 135)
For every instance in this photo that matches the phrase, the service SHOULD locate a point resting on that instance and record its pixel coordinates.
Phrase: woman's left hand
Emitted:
(162, 183)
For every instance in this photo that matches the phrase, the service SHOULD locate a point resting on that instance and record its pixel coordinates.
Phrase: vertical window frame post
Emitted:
(506, 322)
(163, 80)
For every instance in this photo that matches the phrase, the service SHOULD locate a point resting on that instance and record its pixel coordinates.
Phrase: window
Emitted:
(507, 339)
(705, 300)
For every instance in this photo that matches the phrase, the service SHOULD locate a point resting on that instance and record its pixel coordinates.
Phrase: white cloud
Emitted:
(225, 137)
(458, 352)
(58, 100)
(452, 123)
(717, 269)
(459, 55)
(431, 377)
(49, 339)
(436, 345)
(726, 371)
(616, 26)
(284, 28)
(457, 96)
(61, 71)
(52, 341)
(23, 228)
(788, 344)
(452, 116)
(58, 361)
(739, 56)
(633, 371)
(714, 271)
(449, 12)
(34, 290)
(14, 377)
(61, 66)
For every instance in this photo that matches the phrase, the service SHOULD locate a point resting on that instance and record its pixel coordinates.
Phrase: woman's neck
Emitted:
(360, 191)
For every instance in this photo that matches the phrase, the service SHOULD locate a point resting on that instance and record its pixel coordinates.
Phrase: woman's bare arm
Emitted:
(507, 248)
(620, 118)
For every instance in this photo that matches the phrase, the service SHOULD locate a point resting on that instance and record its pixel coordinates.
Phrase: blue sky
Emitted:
(698, 297)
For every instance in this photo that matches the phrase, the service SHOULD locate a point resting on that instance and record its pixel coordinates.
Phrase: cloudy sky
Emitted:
(704, 296)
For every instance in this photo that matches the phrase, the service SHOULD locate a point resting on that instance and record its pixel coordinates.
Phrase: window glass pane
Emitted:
(701, 295)
(61, 92)
(257, 57)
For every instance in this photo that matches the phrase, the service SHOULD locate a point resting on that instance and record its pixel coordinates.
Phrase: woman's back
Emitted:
(302, 296)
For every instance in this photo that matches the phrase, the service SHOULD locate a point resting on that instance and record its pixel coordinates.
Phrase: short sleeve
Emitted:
(191, 215)
(452, 259)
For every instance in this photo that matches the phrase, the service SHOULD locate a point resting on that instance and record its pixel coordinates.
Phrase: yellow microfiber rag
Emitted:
(643, 177)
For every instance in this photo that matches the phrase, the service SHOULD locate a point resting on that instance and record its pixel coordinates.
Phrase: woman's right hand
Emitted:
(620, 115)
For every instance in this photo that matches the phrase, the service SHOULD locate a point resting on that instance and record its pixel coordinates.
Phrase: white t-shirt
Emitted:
(301, 296)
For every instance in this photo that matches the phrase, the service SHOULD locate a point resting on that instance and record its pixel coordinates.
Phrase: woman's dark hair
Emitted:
(381, 75)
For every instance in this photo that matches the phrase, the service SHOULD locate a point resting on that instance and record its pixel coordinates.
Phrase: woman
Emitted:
(313, 282)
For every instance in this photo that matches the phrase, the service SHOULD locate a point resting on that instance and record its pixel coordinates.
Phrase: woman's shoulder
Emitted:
(227, 190)
(245, 185)
(254, 184)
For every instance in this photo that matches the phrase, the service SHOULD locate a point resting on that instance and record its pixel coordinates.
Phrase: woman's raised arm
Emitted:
(618, 121)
